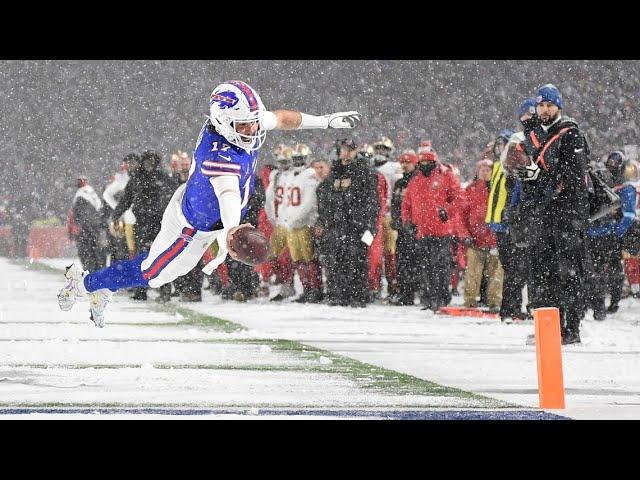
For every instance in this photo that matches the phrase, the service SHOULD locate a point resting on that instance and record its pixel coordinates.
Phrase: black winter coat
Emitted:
(87, 217)
(256, 203)
(351, 204)
(396, 199)
(147, 193)
(561, 189)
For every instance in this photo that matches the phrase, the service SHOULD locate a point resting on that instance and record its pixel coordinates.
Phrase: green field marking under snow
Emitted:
(191, 317)
(313, 360)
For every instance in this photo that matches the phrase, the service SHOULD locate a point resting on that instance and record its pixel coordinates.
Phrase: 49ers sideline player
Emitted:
(300, 215)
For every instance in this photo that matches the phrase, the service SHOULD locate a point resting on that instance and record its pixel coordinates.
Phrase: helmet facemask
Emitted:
(228, 128)
(615, 163)
(284, 163)
(379, 159)
(299, 160)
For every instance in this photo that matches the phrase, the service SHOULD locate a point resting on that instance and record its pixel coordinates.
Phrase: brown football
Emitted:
(251, 245)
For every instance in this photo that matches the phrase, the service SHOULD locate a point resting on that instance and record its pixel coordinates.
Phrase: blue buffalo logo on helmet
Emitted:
(225, 99)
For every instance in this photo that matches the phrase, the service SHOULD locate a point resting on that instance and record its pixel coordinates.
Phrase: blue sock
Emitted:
(122, 274)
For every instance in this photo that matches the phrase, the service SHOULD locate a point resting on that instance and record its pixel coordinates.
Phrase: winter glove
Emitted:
(116, 229)
(342, 119)
(442, 213)
(528, 173)
(367, 238)
(531, 124)
(410, 228)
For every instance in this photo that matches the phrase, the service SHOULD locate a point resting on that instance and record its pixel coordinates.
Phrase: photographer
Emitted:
(606, 234)
(555, 206)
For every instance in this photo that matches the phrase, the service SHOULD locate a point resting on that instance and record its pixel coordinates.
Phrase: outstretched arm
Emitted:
(293, 120)
(125, 202)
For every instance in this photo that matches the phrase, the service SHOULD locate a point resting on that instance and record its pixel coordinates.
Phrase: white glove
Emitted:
(529, 173)
(367, 238)
(342, 119)
(116, 229)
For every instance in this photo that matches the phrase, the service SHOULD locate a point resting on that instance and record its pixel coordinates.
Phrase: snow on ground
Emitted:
(148, 356)
(205, 416)
(195, 387)
(477, 355)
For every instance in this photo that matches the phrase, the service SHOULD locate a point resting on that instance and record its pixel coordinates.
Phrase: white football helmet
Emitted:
(232, 104)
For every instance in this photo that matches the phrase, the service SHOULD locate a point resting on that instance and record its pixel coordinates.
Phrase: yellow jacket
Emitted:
(497, 198)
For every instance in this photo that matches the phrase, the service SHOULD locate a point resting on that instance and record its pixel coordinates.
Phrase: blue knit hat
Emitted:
(528, 106)
(549, 93)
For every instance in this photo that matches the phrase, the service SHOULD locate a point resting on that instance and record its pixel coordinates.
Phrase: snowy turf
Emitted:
(50, 357)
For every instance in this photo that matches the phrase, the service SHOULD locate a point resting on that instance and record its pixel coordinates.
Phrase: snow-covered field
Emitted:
(290, 358)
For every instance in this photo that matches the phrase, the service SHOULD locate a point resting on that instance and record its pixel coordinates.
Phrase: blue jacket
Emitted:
(618, 224)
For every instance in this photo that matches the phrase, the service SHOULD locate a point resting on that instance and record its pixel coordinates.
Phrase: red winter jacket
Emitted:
(457, 229)
(425, 196)
(473, 214)
(264, 173)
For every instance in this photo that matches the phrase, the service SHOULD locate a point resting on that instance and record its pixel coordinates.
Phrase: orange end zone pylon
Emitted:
(549, 357)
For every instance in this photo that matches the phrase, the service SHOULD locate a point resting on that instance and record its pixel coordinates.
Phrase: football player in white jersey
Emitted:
(275, 206)
(300, 216)
(209, 206)
(123, 227)
(383, 149)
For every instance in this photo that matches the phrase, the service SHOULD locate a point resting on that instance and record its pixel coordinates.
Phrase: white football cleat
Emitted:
(74, 287)
(99, 301)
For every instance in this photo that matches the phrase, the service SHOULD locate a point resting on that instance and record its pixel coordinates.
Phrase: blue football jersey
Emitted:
(215, 156)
